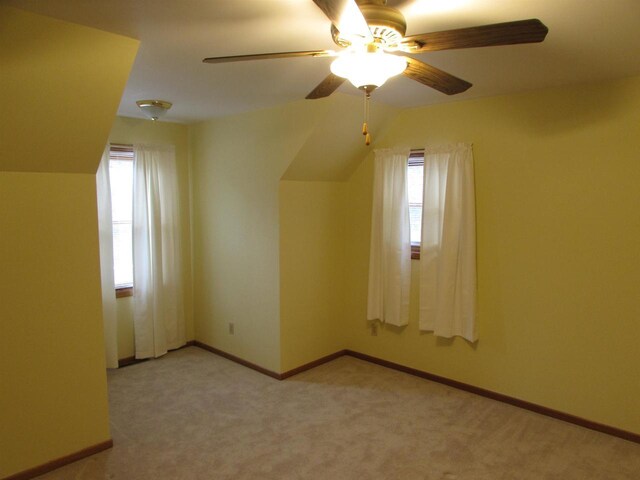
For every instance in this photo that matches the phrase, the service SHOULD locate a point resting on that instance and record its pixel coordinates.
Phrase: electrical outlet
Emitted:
(232, 329)
(374, 329)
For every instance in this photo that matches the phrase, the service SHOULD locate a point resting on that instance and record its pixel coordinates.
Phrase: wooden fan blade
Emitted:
(509, 33)
(326, 87)
(347, 18)
(434, 77)
(266, 56)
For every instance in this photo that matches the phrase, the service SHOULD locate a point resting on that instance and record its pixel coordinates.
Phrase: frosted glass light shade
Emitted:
(154, 109)
(368, 68)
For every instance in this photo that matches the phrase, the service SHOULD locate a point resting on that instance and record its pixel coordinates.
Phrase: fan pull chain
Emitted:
(365, 127)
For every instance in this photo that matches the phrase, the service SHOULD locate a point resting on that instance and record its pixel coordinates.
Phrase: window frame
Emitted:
(416, 158)
(122, 152)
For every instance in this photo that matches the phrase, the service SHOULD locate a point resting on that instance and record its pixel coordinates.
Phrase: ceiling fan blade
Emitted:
(266, 56)
(347, 18)
(434, 77)
(509, 33)
(326, 87)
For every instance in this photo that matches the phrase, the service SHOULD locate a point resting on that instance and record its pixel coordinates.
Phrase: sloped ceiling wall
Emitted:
(336, 146)
(60, 88)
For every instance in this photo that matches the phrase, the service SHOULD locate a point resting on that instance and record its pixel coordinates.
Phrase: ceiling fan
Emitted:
(371, 36)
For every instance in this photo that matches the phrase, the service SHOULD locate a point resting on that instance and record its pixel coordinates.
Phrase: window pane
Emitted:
(122, 254)
(415, 217)
(121, 179)
(415, 179)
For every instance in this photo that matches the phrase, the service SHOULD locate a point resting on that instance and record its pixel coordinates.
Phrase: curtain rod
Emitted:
(121, 145)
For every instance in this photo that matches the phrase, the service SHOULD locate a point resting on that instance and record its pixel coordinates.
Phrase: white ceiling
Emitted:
(588, 40)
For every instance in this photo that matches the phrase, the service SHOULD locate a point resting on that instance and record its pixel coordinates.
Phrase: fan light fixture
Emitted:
(370, 68)
(367, 69)
(154, 109)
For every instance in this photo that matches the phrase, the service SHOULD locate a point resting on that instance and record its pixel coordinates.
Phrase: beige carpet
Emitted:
(193, 415)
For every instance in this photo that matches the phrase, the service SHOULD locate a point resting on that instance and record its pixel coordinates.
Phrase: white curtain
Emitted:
(448, 244)
(157, 268)
(390, 252)
(105, 226)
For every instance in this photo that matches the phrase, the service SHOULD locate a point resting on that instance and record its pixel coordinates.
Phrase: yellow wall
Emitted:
(237, 165)
(334, 149)
(311, 271)
(53, 398)
(137, 131)
(557, 177)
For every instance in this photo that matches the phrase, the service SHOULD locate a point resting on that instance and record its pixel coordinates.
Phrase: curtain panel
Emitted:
(448, 245)
(105, 226)
(157, 268)
(390, 249)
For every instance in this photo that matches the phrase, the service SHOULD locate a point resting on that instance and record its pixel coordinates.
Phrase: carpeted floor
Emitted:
(193, 415)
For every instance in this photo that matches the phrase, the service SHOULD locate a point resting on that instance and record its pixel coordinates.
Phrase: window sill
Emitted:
(415, 252)
(124, 292)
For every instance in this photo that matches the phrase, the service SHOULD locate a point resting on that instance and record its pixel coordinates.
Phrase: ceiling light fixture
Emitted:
(367, 68)
(154, 109)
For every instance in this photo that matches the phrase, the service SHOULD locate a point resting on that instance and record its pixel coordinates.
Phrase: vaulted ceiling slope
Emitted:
(335, 147)
(587, 41)
(58, 103)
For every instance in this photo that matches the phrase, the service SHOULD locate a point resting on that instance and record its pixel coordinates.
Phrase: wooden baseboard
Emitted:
(599, 427)
(125, 362)
(272, 374)
(239, 360)
(61, 462)
(314, 364)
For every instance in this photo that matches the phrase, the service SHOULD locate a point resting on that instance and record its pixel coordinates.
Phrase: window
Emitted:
(415, 178)
(121, 179)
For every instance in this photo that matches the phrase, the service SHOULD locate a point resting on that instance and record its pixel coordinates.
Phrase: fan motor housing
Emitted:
(387, 24)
